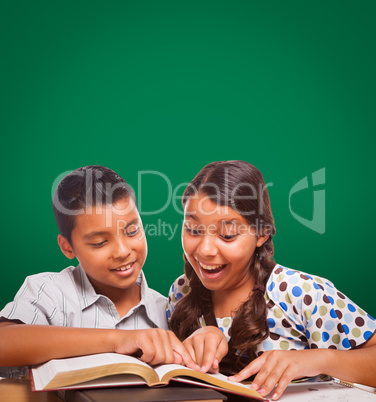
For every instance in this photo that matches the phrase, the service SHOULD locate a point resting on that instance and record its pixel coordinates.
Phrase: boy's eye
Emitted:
(132, 230)
(97, 245)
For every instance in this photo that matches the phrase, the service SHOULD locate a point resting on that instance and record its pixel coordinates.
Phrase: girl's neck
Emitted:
(227, 302)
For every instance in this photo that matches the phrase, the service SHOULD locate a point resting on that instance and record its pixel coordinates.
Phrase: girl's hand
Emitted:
(281, 367)
(207, 346)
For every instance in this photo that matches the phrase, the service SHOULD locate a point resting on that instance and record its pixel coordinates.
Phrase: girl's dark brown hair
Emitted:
(240, 185)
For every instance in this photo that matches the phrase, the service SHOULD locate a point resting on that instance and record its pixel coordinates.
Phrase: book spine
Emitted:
(32, 383)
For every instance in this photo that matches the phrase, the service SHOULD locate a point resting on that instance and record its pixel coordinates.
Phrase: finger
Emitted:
(198, 344)
(209, 353)
(222, 350)
(187, 353)
(221, 353)
(161, 350)
(164, 352)
(216, 348)
(147, 352)
(152, 349)
(215, 364)
(189, 362)
(190, 350)
(269, 374)
(169, 355)
(177, 358)
(214, 369)
(282, 384)
(267, 379)
(249, 370)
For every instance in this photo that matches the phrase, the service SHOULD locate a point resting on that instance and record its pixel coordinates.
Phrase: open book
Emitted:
(111, 369)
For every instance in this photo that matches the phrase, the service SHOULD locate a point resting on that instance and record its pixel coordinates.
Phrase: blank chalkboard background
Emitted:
(157, 89)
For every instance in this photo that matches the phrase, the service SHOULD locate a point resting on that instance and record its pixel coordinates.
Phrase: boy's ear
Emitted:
(65, 247)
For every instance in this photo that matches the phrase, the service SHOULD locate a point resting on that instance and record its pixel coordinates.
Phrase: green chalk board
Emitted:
(169, 86)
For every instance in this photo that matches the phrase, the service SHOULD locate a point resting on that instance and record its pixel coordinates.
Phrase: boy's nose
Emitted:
(121, 250)
(207, 246)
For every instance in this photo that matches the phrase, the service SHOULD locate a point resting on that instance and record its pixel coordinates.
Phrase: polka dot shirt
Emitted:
(303, 312)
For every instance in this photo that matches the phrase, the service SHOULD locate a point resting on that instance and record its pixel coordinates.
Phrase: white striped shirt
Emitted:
(68, 299)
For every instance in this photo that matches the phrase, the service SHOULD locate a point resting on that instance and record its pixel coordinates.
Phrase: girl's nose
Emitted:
(207, 246)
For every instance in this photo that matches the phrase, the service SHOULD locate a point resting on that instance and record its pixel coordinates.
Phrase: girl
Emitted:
(279, 323)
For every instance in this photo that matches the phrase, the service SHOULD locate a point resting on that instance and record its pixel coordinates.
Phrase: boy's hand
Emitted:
(154, 346)
(207, 346)
(281, 367)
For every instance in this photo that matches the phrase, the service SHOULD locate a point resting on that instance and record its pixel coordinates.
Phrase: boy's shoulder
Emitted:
(52, 276)
(46, 298)
(48, 277)
(63, 280)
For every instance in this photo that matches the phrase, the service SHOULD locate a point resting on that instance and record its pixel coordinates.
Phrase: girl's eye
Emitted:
(132, 231)
(191, 231)
(229, 237)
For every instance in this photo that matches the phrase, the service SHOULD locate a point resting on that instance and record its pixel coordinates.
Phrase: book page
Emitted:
(185, 374)
(167, 368)
(117, 380)
(45, 373)
(101, 359)
(163, 369)
(220, 378)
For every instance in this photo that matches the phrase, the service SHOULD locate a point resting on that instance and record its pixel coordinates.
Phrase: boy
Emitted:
(103, 304)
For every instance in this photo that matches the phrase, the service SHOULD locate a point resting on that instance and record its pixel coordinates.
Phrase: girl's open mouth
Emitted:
(211, 269)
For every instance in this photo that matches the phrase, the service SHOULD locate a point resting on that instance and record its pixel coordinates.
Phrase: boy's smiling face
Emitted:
(109, 243)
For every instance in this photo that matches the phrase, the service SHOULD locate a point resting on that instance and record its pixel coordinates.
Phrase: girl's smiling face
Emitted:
(219, 244)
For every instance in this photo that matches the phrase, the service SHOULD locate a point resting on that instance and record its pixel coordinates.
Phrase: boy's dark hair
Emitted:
(86, 187)
(239, 185)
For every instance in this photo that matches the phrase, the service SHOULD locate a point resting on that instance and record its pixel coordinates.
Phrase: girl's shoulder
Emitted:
(311, 309)
(288, 287)
(297, 282)
(297, 292)
(178, 289)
